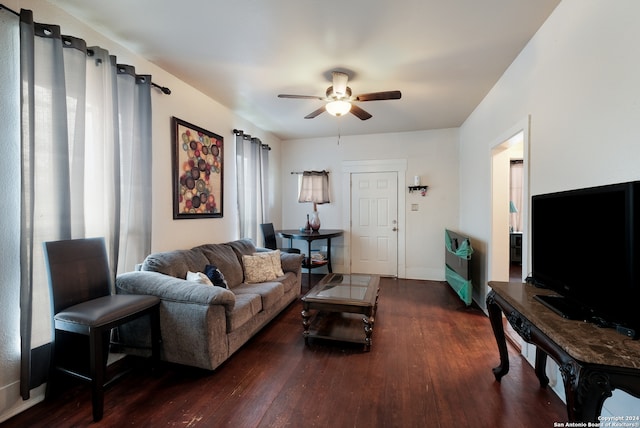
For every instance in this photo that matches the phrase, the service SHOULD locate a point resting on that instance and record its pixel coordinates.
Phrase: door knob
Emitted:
(395, 229)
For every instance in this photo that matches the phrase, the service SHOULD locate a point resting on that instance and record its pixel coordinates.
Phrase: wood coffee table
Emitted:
(344, 308)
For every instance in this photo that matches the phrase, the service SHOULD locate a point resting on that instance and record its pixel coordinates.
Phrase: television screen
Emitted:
(583, 247)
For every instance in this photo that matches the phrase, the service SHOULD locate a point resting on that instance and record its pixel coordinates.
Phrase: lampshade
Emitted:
(314, 187)
(338, 108)
(512, 207)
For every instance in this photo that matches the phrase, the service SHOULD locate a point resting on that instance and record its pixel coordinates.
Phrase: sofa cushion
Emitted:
(246, 307)
(225, 259)
(269, 292)
(175, 263)
(242, 247)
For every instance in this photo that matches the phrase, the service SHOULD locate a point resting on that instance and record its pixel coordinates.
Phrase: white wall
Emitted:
(433, 155)
(185, 103)
(579, 80)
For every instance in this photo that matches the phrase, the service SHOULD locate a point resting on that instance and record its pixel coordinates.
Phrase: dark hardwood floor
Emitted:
(429, 366)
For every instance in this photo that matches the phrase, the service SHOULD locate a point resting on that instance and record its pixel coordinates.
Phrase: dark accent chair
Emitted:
(270, 242)
(84, 311)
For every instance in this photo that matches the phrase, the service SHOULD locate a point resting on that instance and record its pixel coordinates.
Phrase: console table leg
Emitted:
(570, 372)
(310, 266)
(590, 389)
(541, 365)
(495, 316)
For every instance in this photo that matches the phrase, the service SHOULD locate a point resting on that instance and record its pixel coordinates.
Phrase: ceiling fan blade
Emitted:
(308, 97)
(375, 96)
(315, 113)
(357, 111)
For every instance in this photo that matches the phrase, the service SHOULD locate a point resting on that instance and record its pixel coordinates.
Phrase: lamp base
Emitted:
(314, 221)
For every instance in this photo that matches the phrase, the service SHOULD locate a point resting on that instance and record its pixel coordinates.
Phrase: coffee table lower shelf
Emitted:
(340, 326)
(342, 308)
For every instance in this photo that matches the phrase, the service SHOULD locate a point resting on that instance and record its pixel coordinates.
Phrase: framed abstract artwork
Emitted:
(197, 171)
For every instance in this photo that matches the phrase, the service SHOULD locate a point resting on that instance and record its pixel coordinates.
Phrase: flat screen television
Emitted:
(585, 247)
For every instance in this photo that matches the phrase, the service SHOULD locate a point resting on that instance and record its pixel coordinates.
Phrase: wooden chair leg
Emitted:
(52, 381)
(97, 372)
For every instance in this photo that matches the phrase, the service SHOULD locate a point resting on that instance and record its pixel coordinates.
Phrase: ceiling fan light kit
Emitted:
(339, 100)
(338, 108)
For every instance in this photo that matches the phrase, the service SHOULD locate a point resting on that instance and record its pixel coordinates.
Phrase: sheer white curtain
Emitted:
(252, 171)
(10, 201)
(133, 193)
(85, 163)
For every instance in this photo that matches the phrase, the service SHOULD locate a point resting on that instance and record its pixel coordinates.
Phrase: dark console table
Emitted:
(311, 236)
(593, 361)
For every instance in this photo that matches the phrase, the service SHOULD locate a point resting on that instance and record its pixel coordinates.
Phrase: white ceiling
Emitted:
(444, 55)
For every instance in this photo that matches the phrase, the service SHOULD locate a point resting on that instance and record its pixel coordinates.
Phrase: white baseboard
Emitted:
(426, 274)
(11, 403)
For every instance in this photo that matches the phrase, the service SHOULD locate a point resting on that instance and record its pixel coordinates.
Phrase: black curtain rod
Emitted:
(302, 172)
(253, 139)
(9, 9)
(163, 89)
(245, 136)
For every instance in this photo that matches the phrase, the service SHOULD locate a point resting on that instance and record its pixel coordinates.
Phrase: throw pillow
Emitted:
(216, 276)
(258, 269)
(274, 256)
(199, 277)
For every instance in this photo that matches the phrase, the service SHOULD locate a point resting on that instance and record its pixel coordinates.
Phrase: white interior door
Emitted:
(374, 223)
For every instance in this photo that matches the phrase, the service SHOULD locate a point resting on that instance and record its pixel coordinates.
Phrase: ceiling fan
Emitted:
(339, 100)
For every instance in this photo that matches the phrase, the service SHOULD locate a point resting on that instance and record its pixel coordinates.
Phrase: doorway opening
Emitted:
(516, 177)
(509, 195)
(509, 218)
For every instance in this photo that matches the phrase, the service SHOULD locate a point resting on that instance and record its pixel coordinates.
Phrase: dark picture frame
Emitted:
(198, 179)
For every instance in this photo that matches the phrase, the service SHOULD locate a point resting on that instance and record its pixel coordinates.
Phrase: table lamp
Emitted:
(314, 188)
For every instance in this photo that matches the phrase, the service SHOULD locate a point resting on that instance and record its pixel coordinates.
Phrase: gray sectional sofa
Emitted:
(202, 325)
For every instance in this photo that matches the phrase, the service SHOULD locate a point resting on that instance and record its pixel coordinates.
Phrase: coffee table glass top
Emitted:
(353, 289)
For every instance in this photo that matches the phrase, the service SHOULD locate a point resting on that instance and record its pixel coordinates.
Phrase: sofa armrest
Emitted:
(173, 289)
(291, 262)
